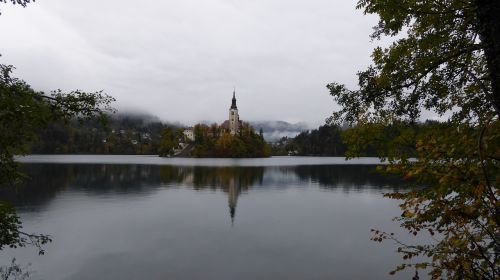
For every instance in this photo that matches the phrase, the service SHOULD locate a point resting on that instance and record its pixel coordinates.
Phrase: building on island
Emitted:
(189, 133)
(233, 124)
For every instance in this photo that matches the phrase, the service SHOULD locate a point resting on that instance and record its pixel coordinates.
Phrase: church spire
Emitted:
(233, 103)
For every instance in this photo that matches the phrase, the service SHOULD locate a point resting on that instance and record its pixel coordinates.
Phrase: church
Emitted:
(233, 124)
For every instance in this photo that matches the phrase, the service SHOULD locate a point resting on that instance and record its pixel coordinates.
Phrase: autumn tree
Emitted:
(169, 141)
(22, 3)
(216, 141)
(444, 61)
(23, 111)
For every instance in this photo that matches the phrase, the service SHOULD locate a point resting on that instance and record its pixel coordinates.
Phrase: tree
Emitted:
(23, 3)
(216, 141)
(223, 145)
(20, 2)
(23, 111)
(324, 141)
(446, 61)
(169, 142)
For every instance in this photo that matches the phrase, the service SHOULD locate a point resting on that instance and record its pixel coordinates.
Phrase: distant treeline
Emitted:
(328, 140)
(324, 141)
(139, 134)
(121, 134)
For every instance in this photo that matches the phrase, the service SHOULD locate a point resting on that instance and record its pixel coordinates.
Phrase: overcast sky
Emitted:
(179, 59)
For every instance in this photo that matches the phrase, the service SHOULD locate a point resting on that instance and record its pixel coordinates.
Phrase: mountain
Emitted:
(140, 119)
(274, 130)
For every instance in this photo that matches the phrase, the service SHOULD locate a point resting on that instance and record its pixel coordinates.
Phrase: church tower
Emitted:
(234, 118)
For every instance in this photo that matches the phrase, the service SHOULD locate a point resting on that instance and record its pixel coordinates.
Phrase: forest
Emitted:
(118, 134)
(142, 134)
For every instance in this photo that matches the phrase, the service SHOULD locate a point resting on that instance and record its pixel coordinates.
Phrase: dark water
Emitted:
(140, 221)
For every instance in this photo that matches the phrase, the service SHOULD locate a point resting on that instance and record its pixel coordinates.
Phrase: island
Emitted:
(231, 139)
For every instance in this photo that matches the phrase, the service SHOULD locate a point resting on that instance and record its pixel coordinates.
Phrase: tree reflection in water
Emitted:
(96, 179)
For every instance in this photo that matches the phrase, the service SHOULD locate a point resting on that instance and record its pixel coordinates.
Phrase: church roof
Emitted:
(233, 103)
(225, 124)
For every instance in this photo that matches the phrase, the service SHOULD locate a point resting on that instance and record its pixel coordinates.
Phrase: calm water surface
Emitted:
(120, 217)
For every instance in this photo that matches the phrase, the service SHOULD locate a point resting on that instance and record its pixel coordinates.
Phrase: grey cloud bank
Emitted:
(179, 60)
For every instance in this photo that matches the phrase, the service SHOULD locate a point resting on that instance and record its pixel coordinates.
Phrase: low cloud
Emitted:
(180, 59)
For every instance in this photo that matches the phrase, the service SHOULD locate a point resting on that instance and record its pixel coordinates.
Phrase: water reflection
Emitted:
(98, 179)
(232, 180)
(160, 222)
(349, 177)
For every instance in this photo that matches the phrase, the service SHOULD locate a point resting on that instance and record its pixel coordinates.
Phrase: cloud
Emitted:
(179, 59)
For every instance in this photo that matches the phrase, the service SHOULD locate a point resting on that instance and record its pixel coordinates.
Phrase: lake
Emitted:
(145, 217)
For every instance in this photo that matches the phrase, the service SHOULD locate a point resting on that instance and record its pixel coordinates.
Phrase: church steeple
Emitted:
(233, 103)
(234, 118)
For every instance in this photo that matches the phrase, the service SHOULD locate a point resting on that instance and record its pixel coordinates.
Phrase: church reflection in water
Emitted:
(94, 179)
(232, 180)
(233, 193)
